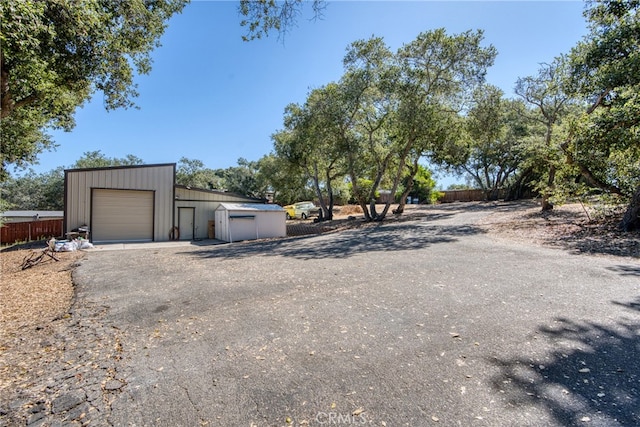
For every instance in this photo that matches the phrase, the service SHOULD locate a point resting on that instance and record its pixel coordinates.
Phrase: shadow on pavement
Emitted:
(593, 376)
(372, 238)
(597, 240)
(626, 270)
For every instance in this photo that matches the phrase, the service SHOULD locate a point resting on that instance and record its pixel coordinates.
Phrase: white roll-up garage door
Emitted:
(122, 215)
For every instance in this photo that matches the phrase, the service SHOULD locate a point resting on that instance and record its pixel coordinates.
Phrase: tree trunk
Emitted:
(403, 199)
(631, 219)
(375, 216)
(355, 188)
(587, 174)
(413, 169)
(546, 204)
(396, 181)
(517, 189)
(316, 186)
(329, 214)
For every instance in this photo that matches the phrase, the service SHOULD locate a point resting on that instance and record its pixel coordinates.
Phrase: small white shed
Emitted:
(249, 221)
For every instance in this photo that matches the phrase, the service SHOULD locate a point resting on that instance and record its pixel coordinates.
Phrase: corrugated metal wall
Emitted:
(242, 222)
(271, 224)
(222, 225)
(205, 203)
(158, 178)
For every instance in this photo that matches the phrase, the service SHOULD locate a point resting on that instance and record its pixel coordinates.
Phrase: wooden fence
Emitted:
(25, 231)
(468, 195)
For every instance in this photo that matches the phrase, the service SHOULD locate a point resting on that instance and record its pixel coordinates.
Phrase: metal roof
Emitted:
(25, 214)
(253, 207)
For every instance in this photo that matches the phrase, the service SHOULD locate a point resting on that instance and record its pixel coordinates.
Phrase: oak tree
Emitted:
(605, 139)
(55, 55)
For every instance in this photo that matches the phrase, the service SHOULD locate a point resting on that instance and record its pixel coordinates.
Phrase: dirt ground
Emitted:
(575, 227)
(30, 299)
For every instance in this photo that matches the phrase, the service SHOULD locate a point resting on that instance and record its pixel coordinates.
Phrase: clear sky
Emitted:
(210, 96)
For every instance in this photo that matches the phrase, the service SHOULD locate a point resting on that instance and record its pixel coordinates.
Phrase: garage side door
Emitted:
(122, 215)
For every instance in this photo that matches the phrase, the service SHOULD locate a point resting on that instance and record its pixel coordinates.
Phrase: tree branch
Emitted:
(587, 174)
(598, 101)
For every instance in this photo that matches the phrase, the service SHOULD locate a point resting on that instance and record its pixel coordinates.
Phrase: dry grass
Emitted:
(348, 210)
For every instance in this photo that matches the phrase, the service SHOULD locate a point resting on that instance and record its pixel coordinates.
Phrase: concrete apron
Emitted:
(118, 246)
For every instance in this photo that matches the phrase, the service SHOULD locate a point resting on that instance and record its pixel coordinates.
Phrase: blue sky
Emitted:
(213, 97)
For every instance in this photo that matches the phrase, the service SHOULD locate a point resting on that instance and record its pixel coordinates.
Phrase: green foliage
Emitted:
(193, 173)
(35, 191)
(605, 72)
(56, 54)
(423, 185)
(4, 205)
(459, 187)
(97, 159)
(284, 180)
(45, 191)
(243, 179)
(386, 112)
(362, 191)
(310, 147)
(608, 58)
(390, 109)
(405, 107)
(493, 143)
(604, 206)
(549, 107)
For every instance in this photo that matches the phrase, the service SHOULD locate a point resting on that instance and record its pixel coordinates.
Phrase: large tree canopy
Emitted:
(549, 105)
(605, 140)
(386, 112)
(491, 149)
(56, 54)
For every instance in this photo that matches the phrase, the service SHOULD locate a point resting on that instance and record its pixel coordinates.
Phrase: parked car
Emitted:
(291, 211)
(301, 210)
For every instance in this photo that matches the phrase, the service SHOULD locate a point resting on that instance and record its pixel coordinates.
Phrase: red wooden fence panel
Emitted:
(469, 195)
(24, 231)
(463, 196)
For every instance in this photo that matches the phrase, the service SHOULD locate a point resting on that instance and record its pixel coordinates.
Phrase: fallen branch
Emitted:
(36, 257)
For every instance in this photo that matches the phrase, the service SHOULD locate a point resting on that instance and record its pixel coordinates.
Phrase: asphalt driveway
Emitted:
(425, 322)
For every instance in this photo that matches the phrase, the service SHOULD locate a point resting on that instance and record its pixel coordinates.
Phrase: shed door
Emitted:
(122, 215)
(186, 219)
(242, 227)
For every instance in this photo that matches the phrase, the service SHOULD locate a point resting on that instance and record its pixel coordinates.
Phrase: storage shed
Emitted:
(249, 221)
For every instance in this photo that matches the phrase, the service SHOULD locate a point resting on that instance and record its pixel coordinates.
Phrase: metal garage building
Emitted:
(139, 203)
(249, 221)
